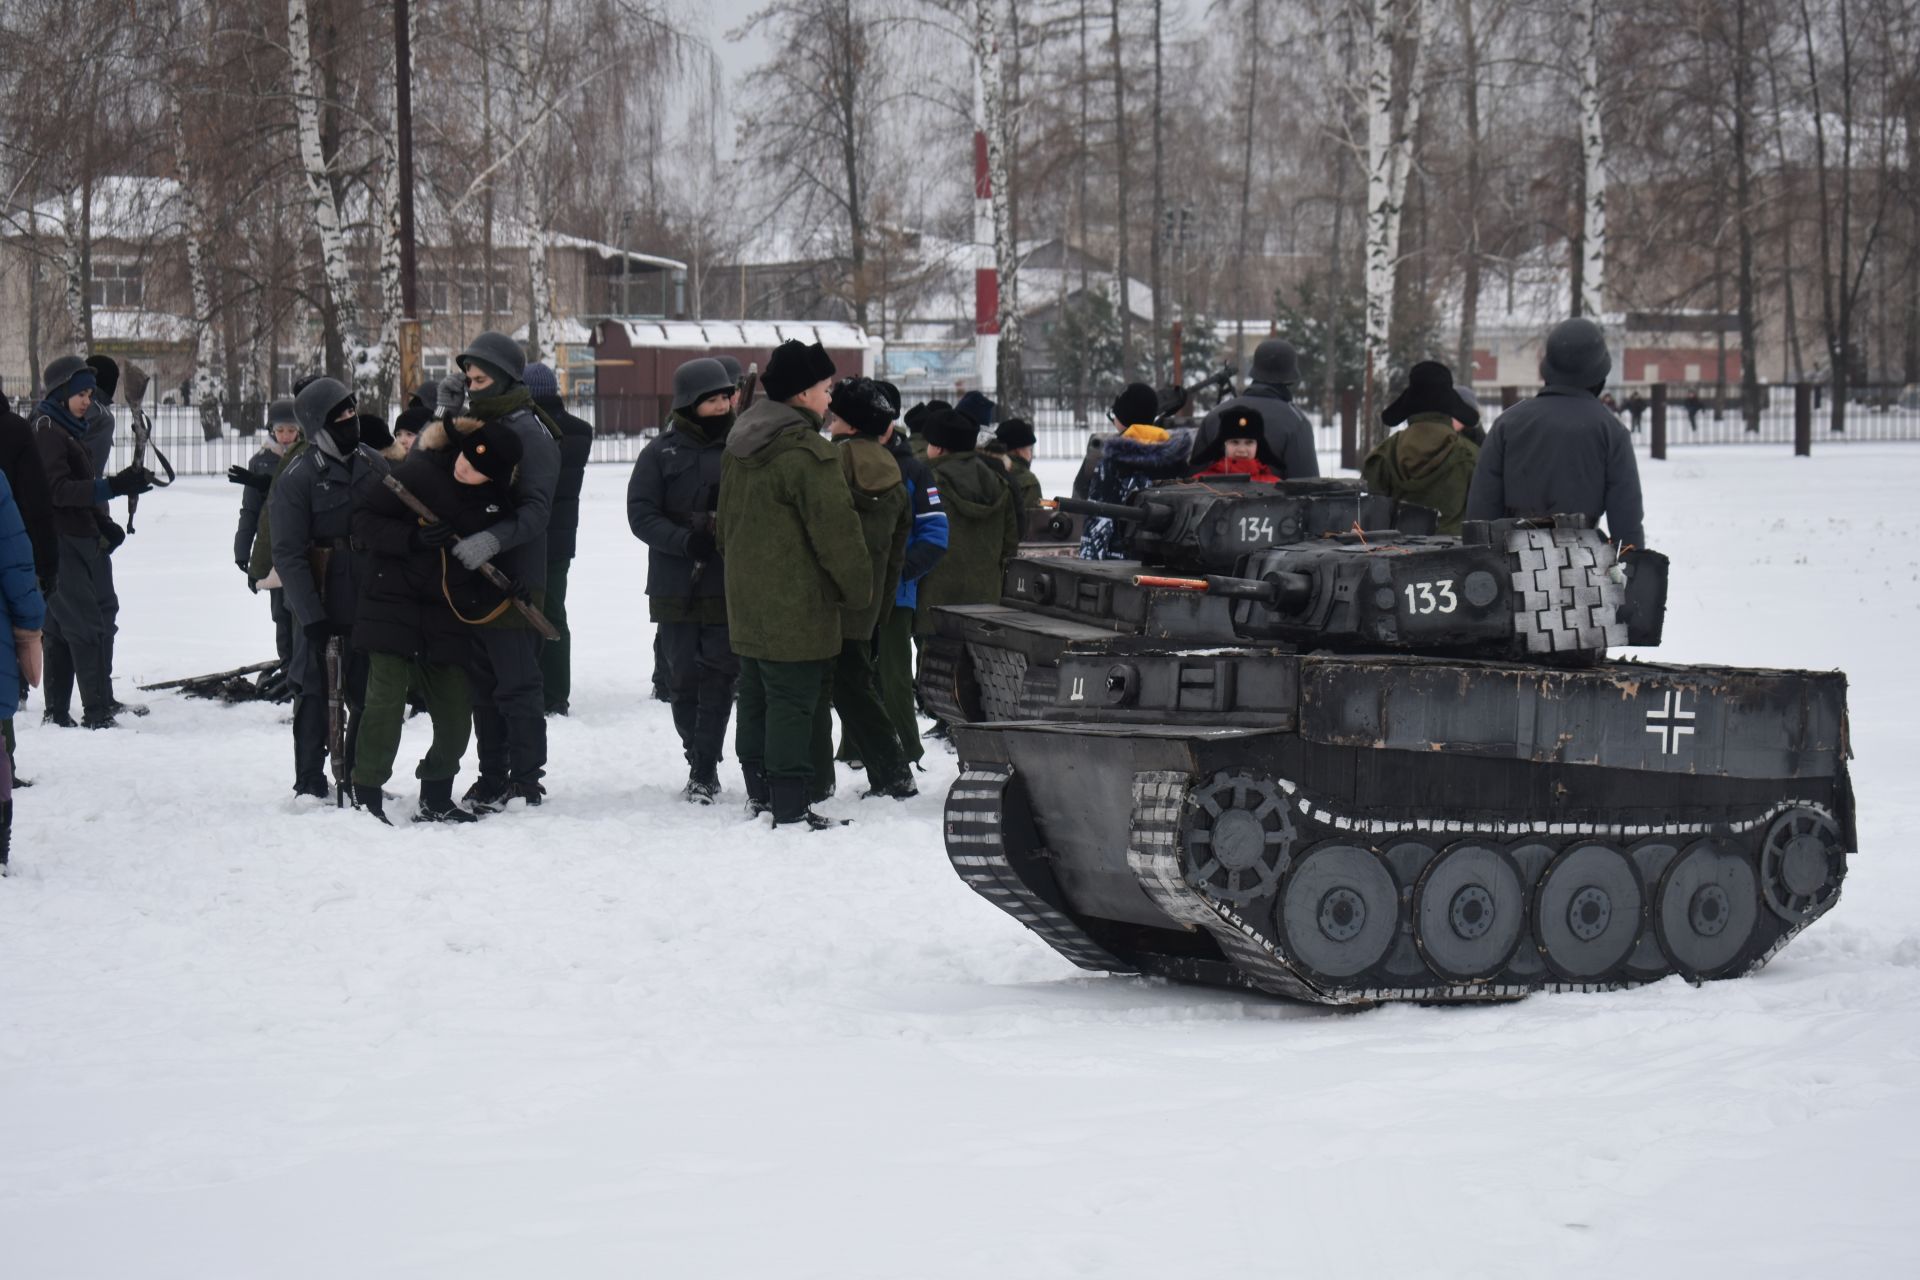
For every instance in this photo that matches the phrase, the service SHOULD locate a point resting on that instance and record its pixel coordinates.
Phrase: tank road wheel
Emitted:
(1339, 911)
(1238, 835)
(1469, 911)
(1709, 902)
(1588, 911)
(1801, 863)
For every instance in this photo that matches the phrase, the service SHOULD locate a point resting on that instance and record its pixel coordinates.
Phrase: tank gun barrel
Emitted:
(1153, 515)
(1287, 592)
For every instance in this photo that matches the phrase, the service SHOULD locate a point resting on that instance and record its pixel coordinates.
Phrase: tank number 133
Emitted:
(1432, 597)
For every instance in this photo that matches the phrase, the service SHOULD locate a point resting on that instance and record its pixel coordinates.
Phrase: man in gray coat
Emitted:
(1269, 392)
(1563, 452)
(310, 512)
(509, 696)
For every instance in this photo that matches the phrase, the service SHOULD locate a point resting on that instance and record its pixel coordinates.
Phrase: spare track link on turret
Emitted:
(1314, 905)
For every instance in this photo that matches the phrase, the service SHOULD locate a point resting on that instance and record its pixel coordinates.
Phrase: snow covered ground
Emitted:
(244, 1037)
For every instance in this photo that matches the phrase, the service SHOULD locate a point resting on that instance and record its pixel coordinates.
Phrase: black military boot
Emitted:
(703, 782)
(372, 800)
(101, 718)
(528, 789)
(788, 797)
(755, 779)
(436, 803)
(59, 719)
(899, 787)
(6, 834)
(487, 795)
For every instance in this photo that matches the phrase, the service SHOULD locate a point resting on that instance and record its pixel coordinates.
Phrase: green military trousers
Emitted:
(774, 720)
(449, 706)
(854, 691)
(893, 660)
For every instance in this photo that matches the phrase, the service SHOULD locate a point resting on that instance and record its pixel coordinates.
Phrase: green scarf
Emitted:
(493, 407)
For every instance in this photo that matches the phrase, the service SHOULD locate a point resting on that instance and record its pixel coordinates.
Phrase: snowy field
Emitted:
(618, 1036)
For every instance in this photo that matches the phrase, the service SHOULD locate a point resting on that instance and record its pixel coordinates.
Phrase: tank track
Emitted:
(1311, 904)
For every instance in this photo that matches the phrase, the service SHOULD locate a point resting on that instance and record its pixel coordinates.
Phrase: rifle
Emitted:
(136, 380)
(337, 717)
(533, 616)
(218, 677)
(1221, 378)
(747, 385)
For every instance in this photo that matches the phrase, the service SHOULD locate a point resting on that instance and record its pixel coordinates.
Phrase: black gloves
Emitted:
(701, 546)
(128, 481)
(111, 536)
(437, 534)
(240, 475)
(451, 394)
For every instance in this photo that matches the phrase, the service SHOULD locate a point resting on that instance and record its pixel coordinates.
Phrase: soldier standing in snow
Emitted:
(283, 431)
(983, 520)
(99, 442)
(310, 516)
(1016, 436)
(78, 631)
(509, 705)
(670, 506)
(795, 559)
(1562, 452)
(862, 419)
(563, 534)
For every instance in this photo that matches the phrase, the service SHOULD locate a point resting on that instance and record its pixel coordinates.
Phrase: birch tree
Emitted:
(989, 56)
(1590, 271)
(1389, 162)
(541, 323)
(335, 265)
(209, 385)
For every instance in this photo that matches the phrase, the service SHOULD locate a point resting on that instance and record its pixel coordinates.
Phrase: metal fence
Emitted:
(1693, 416)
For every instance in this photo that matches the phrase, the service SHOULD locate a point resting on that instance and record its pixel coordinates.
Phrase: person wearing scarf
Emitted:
(509, 698)
(256, 479)
(77, 630)
(671, 497)
(1238, 448)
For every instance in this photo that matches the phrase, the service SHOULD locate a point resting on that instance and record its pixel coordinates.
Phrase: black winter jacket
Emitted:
(1559, 453)
(576, 446)
(77, 497)
(408, 593)
(264, 462)
(311, 506)
(675, 485)
(28, 479)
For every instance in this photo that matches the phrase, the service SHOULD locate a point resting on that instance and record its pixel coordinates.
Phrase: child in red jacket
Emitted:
(1239, 449)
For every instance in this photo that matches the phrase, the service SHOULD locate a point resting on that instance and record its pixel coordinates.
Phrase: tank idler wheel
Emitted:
(1238, 836)
(1709, 902)
(1588, 911)
(1801, 863)
(1469, 910)
(1339, 910)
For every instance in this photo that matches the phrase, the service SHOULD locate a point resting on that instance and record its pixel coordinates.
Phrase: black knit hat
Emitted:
(949, 429)
(861, 404)
(793, 367)
(1015, 433)
(374, 432)
(106, 375)
(1139, 403)
(494, 450)
(413, 418)
(1576, 355)
(1430, 389)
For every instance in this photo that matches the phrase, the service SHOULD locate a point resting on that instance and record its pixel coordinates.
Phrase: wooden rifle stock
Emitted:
(537, 619)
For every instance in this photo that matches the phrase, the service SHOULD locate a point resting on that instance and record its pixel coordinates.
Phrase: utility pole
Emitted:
(411, 370)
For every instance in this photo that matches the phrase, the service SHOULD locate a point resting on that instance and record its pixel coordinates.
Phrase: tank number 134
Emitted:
(1257, 529)
(1432, 597)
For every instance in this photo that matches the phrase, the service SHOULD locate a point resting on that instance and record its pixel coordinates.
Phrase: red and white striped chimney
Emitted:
(986, 278)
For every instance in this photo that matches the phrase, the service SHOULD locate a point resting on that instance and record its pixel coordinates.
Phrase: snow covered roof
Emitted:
(122, 207)
(765, 334)
(127, 324)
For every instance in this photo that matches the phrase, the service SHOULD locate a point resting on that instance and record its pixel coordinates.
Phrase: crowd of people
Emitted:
(795, 546)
